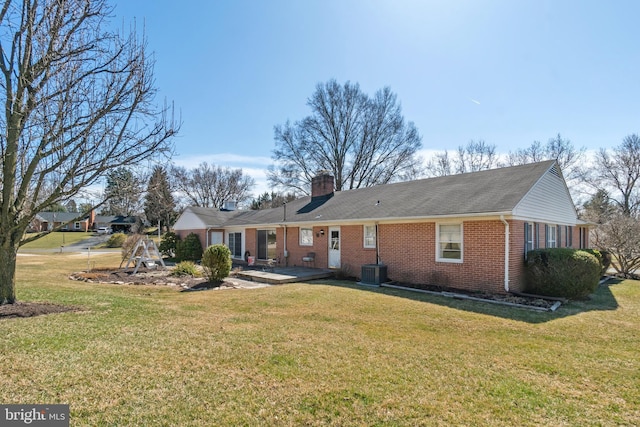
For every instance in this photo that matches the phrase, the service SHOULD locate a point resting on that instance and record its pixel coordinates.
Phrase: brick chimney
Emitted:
(322, 184)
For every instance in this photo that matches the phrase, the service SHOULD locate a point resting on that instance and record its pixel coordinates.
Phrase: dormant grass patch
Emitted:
(327, 353)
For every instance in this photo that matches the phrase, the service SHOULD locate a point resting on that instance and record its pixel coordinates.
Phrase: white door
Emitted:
(334, 247)
(217, 238)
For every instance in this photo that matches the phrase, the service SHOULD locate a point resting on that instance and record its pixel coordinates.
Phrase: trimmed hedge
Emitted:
(216, 262)
(562, 272)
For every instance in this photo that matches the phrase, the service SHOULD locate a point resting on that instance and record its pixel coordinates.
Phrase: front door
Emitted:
(334, 247)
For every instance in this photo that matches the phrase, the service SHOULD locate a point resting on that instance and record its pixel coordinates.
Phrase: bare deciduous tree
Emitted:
(473, 157)
(211, 186)
(561, 150)
(79, 100)
(363, 141)
(620, 236)
(617, 171)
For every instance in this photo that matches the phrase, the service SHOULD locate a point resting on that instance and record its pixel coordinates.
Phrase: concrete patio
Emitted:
(280, 275)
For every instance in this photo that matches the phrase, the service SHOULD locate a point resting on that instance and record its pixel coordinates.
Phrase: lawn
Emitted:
(328, 353)
(57, 238)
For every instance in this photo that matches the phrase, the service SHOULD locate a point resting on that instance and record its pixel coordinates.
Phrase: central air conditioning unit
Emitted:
(373, 274)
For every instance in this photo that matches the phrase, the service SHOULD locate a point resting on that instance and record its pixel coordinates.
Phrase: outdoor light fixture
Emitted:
(321, 233)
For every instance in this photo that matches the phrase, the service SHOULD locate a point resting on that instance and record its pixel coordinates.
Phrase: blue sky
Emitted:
(506, 71)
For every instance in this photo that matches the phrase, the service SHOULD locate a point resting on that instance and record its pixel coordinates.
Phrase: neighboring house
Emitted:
(69, 221)
(117, 223)
(469, 231)
(65, 221)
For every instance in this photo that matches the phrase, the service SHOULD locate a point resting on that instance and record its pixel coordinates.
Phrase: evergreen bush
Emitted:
(116, 240)
(562, 272)
(169, 244)
(216, 262)
(189, 249)
(186, 268)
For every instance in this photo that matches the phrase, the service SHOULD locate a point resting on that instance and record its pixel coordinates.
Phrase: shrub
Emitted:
(168, 244)
(186, 268)
(116, 240)
(189, 249)
(216, 262)
(562, 272)
(603, 257)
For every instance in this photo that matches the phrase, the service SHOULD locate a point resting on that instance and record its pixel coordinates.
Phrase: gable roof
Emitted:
(61, 217)
(194, 217)
(503, 191)
(490, 192)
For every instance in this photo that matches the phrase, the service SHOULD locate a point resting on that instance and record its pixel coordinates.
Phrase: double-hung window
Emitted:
(369, 236)
(306, 237)
(529, 238)
(550, 233)
(449, 242)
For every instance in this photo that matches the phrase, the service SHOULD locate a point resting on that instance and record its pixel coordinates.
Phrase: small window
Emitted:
(306, 237)
(449, 242)
(76, 226)
(369, 236)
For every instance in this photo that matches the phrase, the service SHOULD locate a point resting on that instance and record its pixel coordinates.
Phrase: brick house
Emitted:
(469, 231)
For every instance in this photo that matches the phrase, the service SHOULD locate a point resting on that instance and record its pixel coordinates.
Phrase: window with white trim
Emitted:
(77, 225)
(449, 242)
(369, 232)
(306, 237)
(550, 233)
(529, 238)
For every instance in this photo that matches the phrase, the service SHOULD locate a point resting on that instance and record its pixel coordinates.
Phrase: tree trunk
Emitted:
(8, 256)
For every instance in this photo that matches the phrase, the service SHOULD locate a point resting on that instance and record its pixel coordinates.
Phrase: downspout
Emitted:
(377, 247)
(284, 247)
(506, 253)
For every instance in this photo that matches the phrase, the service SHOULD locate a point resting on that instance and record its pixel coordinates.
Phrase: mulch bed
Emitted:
(533, 301)
(31, 309)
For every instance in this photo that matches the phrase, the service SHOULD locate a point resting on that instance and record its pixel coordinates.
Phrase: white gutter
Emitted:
(506, 253)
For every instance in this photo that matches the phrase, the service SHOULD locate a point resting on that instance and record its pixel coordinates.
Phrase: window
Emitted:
(550, 236)
(306, 237)
(369, 236)
(449, 242)
(584, 237)
(559, 237)
(568, 235)
(529, 238)
(235, 244)
(76, 225)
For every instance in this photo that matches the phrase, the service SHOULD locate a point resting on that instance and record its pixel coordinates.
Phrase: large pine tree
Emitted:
(159, 204)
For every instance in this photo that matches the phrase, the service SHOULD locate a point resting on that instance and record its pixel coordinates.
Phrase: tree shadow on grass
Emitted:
(601, 300)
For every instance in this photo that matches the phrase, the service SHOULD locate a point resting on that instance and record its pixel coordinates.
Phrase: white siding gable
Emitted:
(189, 221)
(548, 201)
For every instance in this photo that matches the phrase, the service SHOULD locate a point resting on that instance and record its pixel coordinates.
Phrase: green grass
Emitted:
(317, 354)
(56, 239)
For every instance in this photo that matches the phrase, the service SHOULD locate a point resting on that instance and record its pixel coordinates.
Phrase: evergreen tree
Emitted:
(159, 204)
(122, 193)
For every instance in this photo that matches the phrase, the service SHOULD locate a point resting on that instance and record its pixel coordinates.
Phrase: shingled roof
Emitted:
(495, 191)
